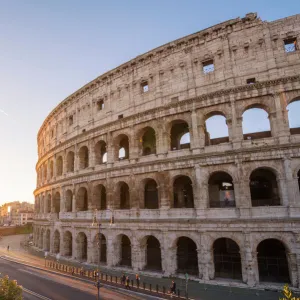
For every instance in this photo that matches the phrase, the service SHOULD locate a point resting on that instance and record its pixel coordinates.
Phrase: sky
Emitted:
(49, 49)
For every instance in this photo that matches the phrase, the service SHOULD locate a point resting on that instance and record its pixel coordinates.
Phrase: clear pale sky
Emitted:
(49, 49)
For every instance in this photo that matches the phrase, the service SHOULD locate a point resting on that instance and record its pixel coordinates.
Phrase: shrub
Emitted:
(9, 289)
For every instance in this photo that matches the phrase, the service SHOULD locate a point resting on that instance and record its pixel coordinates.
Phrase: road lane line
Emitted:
(35, 294)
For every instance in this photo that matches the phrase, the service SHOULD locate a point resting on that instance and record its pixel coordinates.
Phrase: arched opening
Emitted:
(57, 202)
(125, 251)
(56, 242)
(151, 194)
(187, 258)
(272, 261)
(51, 169)
(180, 135)
(103, 249)
(227, 259)
(293, 115)
(82, 199)
(123, 147)
(100, 151)
(49, 204)
(59, 166)
(256, 124)
(216, 130)
(124, 196)
(263, 188)
(69, 200)
(70, 161)
(148, 141)
(221, 190)
(83, 157)
(68, 242)
(183, 192)
(100, 197)
(81, 246)
(47, 244)
(153, 254)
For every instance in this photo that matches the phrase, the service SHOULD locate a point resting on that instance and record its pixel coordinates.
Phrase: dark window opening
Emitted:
(187, 257)
(145, 87)
(148, 142)
(100, 105)
(120, 116)
(125, 251)
(71, 120)
(183, 192)
(290, 45)
(208, 66)
(151, 195)
(251, 80)
(153, 254)
(180, 136)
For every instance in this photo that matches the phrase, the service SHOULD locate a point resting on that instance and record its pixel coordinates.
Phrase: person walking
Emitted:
(137, 277)
(123, 279)
(127, 283)
(173, 287)
(7, 247)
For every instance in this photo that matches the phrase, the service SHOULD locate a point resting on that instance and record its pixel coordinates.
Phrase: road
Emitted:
(49, 286)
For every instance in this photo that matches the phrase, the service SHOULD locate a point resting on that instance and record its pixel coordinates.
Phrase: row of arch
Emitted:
(272, 259)
(178, 138)
(263, 186)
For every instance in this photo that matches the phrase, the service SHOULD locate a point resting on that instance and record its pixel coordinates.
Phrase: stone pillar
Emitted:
(200, 195)
(76, 158)
(291, 183)
(90, 251)
(164, 189)
(229, 126)
(283, 129)
(163, 139)
(133, 145)
(293, 268)
(200, 266)
(74, 245)
(91, 205)
(273, 123)
(194, 134)
(110, 150)
(137, 256)
(206, 261)
(201, 129)
(169, 263)
(109, 195)
(111, 261)
(249, 262)
(283, 193)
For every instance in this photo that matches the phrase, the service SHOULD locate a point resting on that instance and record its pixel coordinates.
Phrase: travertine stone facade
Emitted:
(115, 146)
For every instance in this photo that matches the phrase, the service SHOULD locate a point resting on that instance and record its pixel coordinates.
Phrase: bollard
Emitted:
(178, 293)
(131, 283)
(164, 290)
(144, 285)
(150, 287)
(157, 288)
(105, 277)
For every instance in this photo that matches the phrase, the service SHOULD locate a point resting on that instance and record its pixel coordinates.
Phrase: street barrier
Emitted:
(110, 280)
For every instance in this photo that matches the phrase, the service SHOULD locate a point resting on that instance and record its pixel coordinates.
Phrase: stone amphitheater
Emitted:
(133, 147)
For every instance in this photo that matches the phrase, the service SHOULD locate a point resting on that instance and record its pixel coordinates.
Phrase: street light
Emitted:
(97, 223)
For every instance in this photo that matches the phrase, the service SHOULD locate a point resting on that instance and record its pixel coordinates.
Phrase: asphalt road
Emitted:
(50, 286)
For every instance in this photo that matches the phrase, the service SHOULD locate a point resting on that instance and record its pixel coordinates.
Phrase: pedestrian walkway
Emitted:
(196, 290)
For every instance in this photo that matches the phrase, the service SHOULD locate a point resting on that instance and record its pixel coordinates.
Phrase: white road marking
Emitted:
(35, 294)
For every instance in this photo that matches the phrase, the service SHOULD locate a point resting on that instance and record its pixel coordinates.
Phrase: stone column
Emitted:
(237, 126)
(138, 256)
(200, 188)
(110, 150)
(74, 245)
(73, 201)
(133, 145)
(91, 205)
(293, 268)
(291, 183)
(282, 120)
(169, 263)
(163, 139)
(194, 134)
(201, 129)
(92, 160)
(90, 251)
(206, 261)
(110, 252)
(273, 123)
(164, 189)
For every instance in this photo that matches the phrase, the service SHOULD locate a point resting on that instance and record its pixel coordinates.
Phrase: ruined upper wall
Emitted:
(240, 49)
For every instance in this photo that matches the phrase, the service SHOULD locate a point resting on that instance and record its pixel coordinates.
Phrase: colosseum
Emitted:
(135, 146)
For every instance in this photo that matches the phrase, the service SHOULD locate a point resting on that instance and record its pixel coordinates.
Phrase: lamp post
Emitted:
(46, 254)
(97, 223)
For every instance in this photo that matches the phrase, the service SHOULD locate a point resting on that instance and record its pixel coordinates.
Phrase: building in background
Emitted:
(16, 213)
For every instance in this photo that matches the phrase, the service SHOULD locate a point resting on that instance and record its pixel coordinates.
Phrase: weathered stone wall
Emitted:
(178, 91)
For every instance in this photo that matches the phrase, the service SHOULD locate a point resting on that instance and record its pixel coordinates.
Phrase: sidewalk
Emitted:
(196, 290)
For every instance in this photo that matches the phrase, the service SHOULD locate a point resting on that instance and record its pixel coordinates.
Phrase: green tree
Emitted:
(9, 289)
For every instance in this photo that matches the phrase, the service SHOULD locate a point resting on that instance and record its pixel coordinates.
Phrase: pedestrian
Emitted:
(137, 277)
(123, 279)
(73, 271)
(7, 247)
(81, 271)
(173, 287)
(127, 283)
